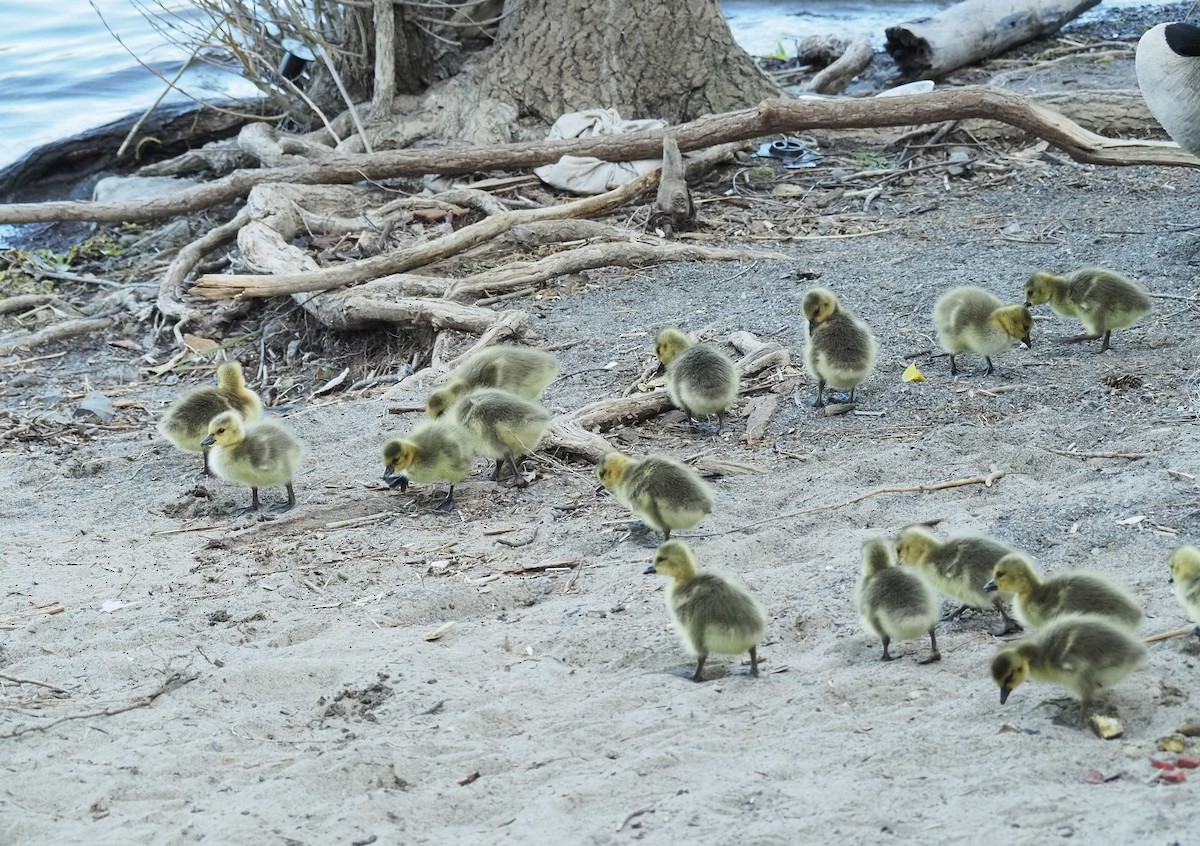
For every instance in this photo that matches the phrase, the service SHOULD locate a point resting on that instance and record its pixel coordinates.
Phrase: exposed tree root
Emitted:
(56, 332)
(769, 117)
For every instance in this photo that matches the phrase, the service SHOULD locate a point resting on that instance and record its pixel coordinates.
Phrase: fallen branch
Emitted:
(770, 117)
(56, 332)
(170, 290)
(986, 480)
(16, 680)
(1075, 454)
(837, 75)
(174, 682)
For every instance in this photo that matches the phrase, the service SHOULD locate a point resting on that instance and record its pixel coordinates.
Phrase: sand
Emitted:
(298, 696)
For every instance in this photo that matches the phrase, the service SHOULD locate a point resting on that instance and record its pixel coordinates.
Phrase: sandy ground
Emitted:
(303, 702)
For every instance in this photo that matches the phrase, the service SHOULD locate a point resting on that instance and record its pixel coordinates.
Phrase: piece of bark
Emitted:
(673, 209)
(759, 412)
(853, 61)
(973, 30)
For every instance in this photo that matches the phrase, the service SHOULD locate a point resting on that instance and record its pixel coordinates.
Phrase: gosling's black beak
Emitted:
(209, 441)
(1028, 304)
(601, 490)
(1170, 580)
(395, 480)
(1004, 692)
(812, 325)
(990, 585)
(649, 571)
(662, 368)
(1028, 342)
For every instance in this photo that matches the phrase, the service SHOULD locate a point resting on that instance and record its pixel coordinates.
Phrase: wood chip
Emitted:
(437, 634)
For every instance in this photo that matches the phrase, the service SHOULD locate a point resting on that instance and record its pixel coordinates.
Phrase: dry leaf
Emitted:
(199, 345)
(126, 344)
(440, 630)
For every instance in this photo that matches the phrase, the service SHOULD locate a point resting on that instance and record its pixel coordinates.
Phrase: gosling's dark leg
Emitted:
(754, 660)
(697, 676)
(1079, 339)
(518, 479)
(1009, 625)
(955, 614)
(934, 655)
(1107, 337)
(819, 402)
(953, 366)
(991, 368)
(852, 394)
(446, 504)
(720, 421)
(496, 472)
(698, 424)
(253, 506)
(207, 469)
(887, 656)
(666, 533)
(291, 501)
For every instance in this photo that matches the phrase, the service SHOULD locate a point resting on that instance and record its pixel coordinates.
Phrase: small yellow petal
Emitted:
(913, 374)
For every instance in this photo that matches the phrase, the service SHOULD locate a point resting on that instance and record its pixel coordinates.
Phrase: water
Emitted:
(62, 72)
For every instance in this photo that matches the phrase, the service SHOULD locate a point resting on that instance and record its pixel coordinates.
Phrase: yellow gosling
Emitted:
(522, 371)
(660, 490)
(711, 612)
(701, 380)
(438, 451)
(1185, 575)
(504, 425)
(840, 350)
(1037, 602)
(971, 319)
(185, 422)
(259, 454)
(895, 603)
(1102, 300)
(1081, 652)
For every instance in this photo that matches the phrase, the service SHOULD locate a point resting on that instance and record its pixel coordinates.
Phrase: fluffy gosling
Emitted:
(971, 319)
(259, 454)
(840, 350)
(1081, 652)
(711, 612)
(522, 371)
(438, 451)
(1185, 575)
(1103, 300)
(701, 380)
(1037, 602)
(1168, 74)
(661, 491)
(505, 426)
(959, 567)
(185, 423)
(895, 603)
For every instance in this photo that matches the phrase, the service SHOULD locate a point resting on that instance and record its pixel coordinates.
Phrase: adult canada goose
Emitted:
(840, 350)
(519, 370)
(185, 423)
(1102, 300)
(259, 454)
(701, 380)
(711, 611)
(1168, 73)
(971, 319)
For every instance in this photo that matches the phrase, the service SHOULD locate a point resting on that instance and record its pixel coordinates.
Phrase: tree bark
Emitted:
(974, 30)
(645, 58)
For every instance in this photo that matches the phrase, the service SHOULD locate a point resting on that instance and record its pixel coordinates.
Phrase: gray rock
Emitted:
(96, 405)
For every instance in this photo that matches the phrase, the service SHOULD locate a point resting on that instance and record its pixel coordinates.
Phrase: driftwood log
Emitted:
(768, 118)
(837, 75)
(974, 30)
(673, 207)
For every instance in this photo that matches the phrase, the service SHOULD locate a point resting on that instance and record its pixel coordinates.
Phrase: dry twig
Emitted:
(173, 682)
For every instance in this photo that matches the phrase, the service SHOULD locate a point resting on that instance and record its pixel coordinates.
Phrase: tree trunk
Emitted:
(672, 59)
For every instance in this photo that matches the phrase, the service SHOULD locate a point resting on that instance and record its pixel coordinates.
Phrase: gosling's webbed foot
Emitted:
(887, 656)
(281, 507)
(248, 509)
(1007, 627)
(955, 614)
(701, 426)
(1079, 339)
(394, 482)
(446, 504)
(931, 658)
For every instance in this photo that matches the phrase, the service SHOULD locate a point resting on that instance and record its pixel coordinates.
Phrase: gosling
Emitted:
(437, 451)
(1081, 652)
(185, 423)
(1103, 300)
(259, 454)
(894, 602)
(1168, 74)
(1185, 575)
(505, 426)
(522, 371)
(971, 319)
(959, 567)
(711, 612)
(840, 350)
(1038, 602)
(661, 491)
(701, 380)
